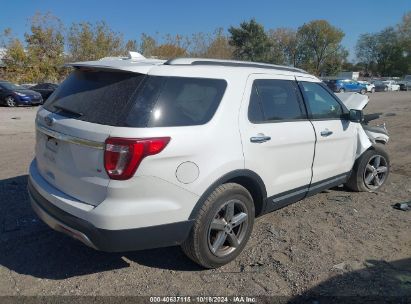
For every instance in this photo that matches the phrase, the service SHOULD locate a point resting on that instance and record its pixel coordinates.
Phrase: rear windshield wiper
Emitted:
(64, 109)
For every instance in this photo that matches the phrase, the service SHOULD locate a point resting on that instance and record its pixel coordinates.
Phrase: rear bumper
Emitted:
(103, 239)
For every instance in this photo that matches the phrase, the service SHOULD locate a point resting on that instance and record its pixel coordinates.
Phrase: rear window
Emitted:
(94, 96)
(136, 100)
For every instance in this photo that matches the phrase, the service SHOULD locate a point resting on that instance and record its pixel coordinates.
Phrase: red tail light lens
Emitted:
(122, 156)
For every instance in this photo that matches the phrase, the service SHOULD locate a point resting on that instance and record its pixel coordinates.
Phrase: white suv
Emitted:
(136, 153)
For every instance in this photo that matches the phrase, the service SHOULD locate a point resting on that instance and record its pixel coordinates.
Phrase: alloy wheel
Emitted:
(375, 172)
(10, 101)
(228, 228)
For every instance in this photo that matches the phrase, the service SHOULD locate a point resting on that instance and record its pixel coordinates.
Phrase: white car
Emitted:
(392, 85)
(138, 153)
(370, 86)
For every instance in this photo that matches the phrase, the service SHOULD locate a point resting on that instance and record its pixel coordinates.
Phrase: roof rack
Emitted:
(231, 63)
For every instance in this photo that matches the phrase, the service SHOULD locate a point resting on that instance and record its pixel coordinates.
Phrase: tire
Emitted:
(385, 89)
(368, 174)
(11, 101)
(202, 244)
(341, 90)
(373, 90)
(363, 91)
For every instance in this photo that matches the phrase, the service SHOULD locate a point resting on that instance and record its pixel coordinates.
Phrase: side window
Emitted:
(274, 100)
(320, 102)
(176, 101)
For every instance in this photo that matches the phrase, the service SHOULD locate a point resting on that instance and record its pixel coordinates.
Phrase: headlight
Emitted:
(21, 94)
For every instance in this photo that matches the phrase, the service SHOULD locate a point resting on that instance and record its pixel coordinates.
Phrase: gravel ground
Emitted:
(335, 243)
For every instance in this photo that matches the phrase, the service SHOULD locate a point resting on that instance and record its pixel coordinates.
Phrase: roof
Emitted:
(231, 63)
(135, 62)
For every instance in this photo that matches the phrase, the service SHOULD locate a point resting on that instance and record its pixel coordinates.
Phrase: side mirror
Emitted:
(355, 115)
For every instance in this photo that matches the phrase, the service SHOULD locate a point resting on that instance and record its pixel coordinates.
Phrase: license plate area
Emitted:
(52, 144)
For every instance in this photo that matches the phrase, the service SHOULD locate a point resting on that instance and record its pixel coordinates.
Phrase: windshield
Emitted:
(11, 86)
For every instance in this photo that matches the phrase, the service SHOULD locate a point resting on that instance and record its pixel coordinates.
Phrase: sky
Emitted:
(186, 17)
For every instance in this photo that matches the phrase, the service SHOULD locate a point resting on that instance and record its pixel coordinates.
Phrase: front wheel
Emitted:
(370, 171)
(372, 90)
(222, 227)
(10, 101)
(363, 91)
(341, 90)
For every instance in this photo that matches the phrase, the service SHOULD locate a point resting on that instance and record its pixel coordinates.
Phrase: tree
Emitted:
(15, 59)
(86, 41)
(287, 46)
(199, 44)
(250, 42)
(367, 52)
(390, 61)
(169, 51)
(219, 47)
(45, 47)
(320, 43)
(404, 29)
(147, 45)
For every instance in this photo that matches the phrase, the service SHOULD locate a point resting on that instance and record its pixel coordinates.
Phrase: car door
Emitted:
(278, 139)
(2, 94)
(336, 143)
(356, 86)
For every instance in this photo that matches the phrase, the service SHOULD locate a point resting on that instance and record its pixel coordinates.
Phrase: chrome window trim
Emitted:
(69, 138)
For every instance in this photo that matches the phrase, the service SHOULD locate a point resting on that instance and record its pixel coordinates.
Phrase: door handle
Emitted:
(260, 138)
(326, 133)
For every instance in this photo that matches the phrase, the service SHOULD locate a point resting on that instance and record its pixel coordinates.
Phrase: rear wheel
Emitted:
(370, 171)
(222, 227)
(11, 101)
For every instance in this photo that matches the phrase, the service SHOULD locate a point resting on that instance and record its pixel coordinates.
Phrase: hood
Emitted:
(353, 100)
(27, 92)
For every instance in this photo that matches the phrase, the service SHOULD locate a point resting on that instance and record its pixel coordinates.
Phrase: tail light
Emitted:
(122, 156)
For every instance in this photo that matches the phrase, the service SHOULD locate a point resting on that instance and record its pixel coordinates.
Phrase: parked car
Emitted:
(392, 85)
(346, 85)
(405, 84)
(45, 89)
(370, 86)
(27, 85)
(135, 154)
(13, 95)
(380, 86)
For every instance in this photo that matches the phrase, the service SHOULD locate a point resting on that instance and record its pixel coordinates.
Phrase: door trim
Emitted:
(286, 198)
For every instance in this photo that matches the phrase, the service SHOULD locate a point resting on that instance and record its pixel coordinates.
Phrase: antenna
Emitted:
(135, 56)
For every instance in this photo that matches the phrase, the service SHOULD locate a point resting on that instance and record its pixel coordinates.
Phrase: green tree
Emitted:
(45, 47)
(390, 60)
(250, 42)
(286, 46)
(15, 59)
(87, 41)
(320, 44)
(367, 52)
(404, 35)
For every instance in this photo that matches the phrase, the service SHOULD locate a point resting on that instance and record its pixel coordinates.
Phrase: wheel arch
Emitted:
(246, 178)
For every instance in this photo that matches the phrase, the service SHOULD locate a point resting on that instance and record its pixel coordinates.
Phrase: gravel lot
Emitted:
(335, 243)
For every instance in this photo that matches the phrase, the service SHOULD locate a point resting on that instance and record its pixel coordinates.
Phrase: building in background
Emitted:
(349, 75)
